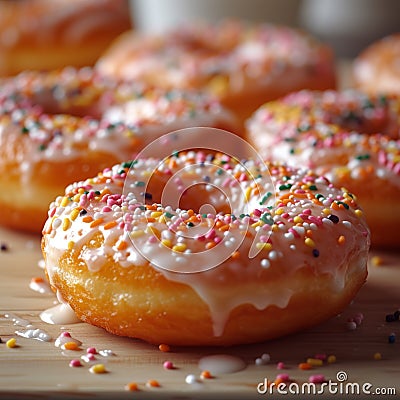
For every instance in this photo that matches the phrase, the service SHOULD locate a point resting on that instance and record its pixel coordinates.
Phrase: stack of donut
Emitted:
(243, 64)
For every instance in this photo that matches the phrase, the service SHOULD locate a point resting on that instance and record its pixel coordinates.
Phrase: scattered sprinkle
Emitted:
(132, 387)
(75, 363)
(377, 356)
(165, 348)
(98, 369)
(152, 383)
(11, 343)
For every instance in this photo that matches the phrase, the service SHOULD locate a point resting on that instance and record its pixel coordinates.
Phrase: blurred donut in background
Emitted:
(49, 34)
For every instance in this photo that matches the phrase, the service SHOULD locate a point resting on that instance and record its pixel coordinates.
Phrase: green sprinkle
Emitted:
(285, 187)
(139, 183)
(24, 130)
(220, 171)
(168, 214)
(128, 164)
(313, 187)
(363, 157)
(346, 206)
(267, 218)
(265, 198)
(190, 224)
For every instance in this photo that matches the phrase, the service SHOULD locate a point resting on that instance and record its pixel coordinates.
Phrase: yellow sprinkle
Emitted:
(64, 201)
(376, 261)
(154, 231)
(309, 242)
(98, 369)
(359, 213)
(166, 242)
(74, 214)
(326, 211)
(280, 211)
(71, 245)
(331, 359)
(110, 225)
(66, 224)
(315, 362)
(137, 233)
(248, 193)
(341, 239)
(179, 247)
(155, 214)
(377, 356)
(11, 343)
(297, 220)
(76, 198)
(264, 246)
(275, 228)
(258, 223)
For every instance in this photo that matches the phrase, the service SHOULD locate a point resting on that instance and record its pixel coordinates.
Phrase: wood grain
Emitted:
(40, 369)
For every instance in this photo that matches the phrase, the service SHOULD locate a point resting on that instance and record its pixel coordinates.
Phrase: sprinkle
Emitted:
(91, 350)
(191, 379)
(341, 239)
(3, 247)
(305, 366)
(315, 362)
(206, 375)
(331, 359)
(66, 224)
(309, 242)
(110, 225)
(132, 387)
(377, 261)
(377, 356)
(96, 222)
(164, 348)
(98, 369)
(152, 383)
(392, 338)
(351, 325)
(70, 346)
(75, 363)
(283, 377)
(280, 365)
(359, 213)
(316, 378)
(168, 365)
(11, 343)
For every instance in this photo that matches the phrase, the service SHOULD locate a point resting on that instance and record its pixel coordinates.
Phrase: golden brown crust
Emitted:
(142, 303)
(48, 34)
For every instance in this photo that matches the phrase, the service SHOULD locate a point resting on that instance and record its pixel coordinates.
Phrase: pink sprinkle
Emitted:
(75, 363)
(210, 234)
(257, 212)
(316, 378)
(91, 350)
(65, 334)
(168, 365)
(280, 365)
(322, 357)
(91, 357)
(283, 377)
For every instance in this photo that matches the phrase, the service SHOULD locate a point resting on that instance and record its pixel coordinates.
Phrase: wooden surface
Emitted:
(40, 367)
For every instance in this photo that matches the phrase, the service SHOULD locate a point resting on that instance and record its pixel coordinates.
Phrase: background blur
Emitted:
(347, 25)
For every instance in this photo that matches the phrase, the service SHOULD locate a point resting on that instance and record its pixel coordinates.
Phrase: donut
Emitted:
(49, 34)
(348, 136)
(243, 64)
(136, 251)
(63, 125)
(376, 69)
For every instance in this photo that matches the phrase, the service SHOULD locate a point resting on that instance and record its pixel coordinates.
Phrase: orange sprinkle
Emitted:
(132, 387)
(110, 225)
(121, 245)
(206, 374)
(164, 348)
(235, 255)
(70, 346)
(96, 222)
(152, 383)
(210, 245)
(341, 239)
(88, 218)
(37, 279)
(305, 366)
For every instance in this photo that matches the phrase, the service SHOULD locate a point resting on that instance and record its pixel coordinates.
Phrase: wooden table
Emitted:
(36, 367)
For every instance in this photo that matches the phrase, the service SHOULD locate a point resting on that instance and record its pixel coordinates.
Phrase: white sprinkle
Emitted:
(265, 263)
(191, 379)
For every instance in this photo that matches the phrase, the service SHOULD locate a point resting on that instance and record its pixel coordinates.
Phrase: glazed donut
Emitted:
(49, 34)
(279, 243)
(60, 126)
(376, 69)
(335, 133)
(243, 64)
